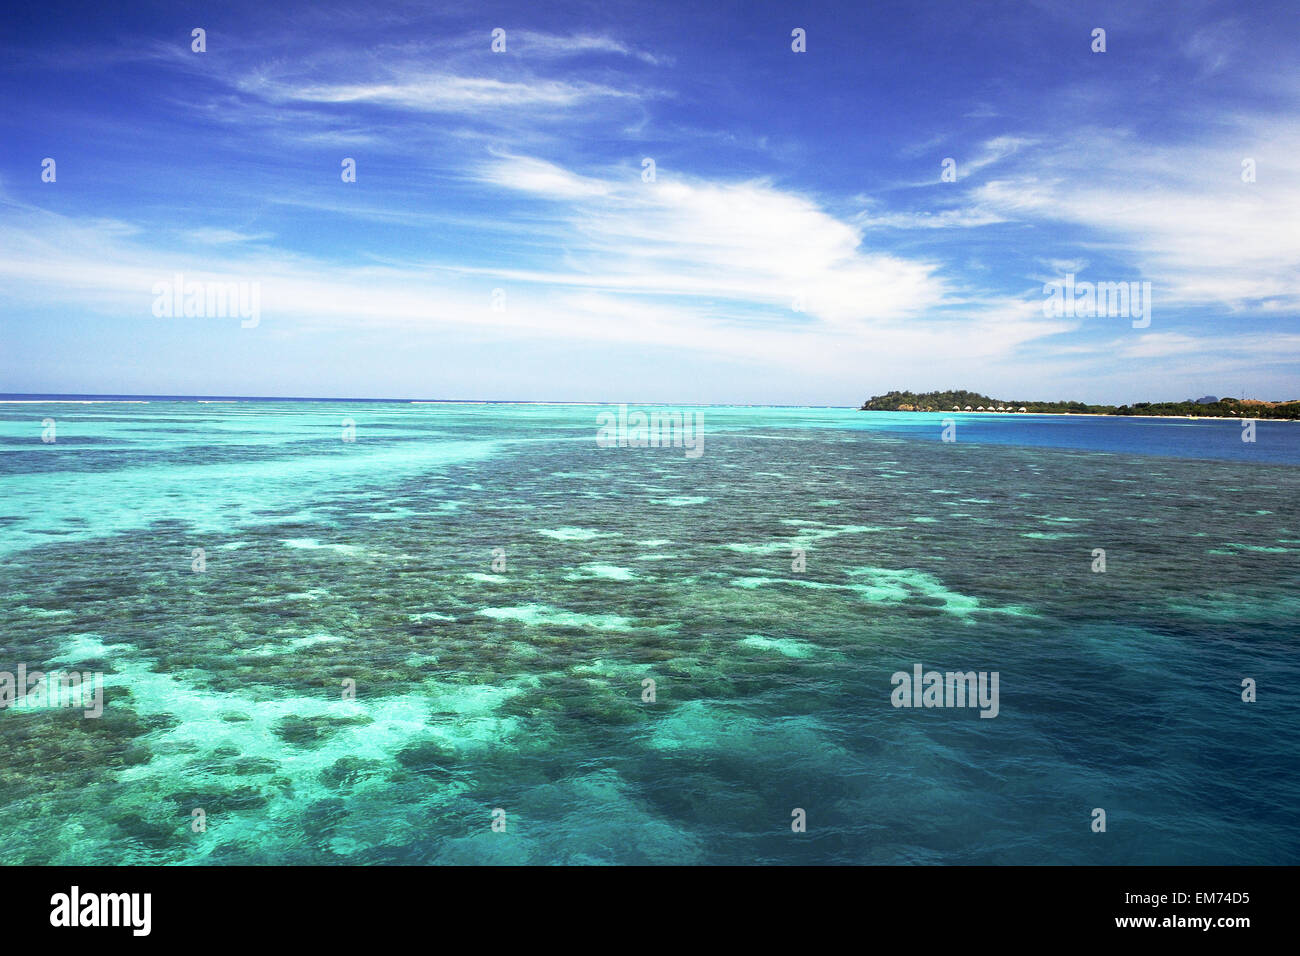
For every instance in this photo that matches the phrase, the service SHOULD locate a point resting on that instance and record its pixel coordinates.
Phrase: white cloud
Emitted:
(213, 236)
(435, 92)
(745, 242)
(535, 44)
(1181, 214)
(541, 178)
(943, 219)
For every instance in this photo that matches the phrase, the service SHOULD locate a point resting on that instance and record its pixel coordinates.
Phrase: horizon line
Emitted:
(15, 397)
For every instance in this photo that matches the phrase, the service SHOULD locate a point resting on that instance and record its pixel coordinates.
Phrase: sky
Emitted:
(651, 202)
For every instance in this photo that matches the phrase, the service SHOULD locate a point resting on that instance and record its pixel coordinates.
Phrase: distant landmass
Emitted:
(960, 400)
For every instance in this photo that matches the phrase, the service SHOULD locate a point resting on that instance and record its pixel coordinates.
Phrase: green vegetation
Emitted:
(946, 401)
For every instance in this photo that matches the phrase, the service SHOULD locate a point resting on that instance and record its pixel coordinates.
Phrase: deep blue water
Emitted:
(1273, 441)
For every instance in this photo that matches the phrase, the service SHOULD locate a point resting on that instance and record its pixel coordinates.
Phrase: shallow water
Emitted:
(480, 688)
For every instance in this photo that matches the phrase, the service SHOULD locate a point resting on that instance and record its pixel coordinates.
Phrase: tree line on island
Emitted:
(964, 401)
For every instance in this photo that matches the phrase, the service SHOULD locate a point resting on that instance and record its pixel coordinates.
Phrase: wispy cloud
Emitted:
(434, 92)
(223, 236)
(532, 43)
(1183, 212)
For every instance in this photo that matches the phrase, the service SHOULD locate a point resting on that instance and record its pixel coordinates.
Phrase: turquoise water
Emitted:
(480, 688)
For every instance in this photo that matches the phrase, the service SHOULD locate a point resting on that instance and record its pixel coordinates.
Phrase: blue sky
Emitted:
(796, 245)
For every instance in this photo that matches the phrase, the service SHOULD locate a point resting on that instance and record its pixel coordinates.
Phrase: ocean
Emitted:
(468, 633)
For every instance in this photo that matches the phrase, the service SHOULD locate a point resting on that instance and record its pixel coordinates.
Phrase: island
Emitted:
(963, 401)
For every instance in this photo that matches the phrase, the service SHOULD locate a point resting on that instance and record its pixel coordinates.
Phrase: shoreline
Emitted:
(1183, 418)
